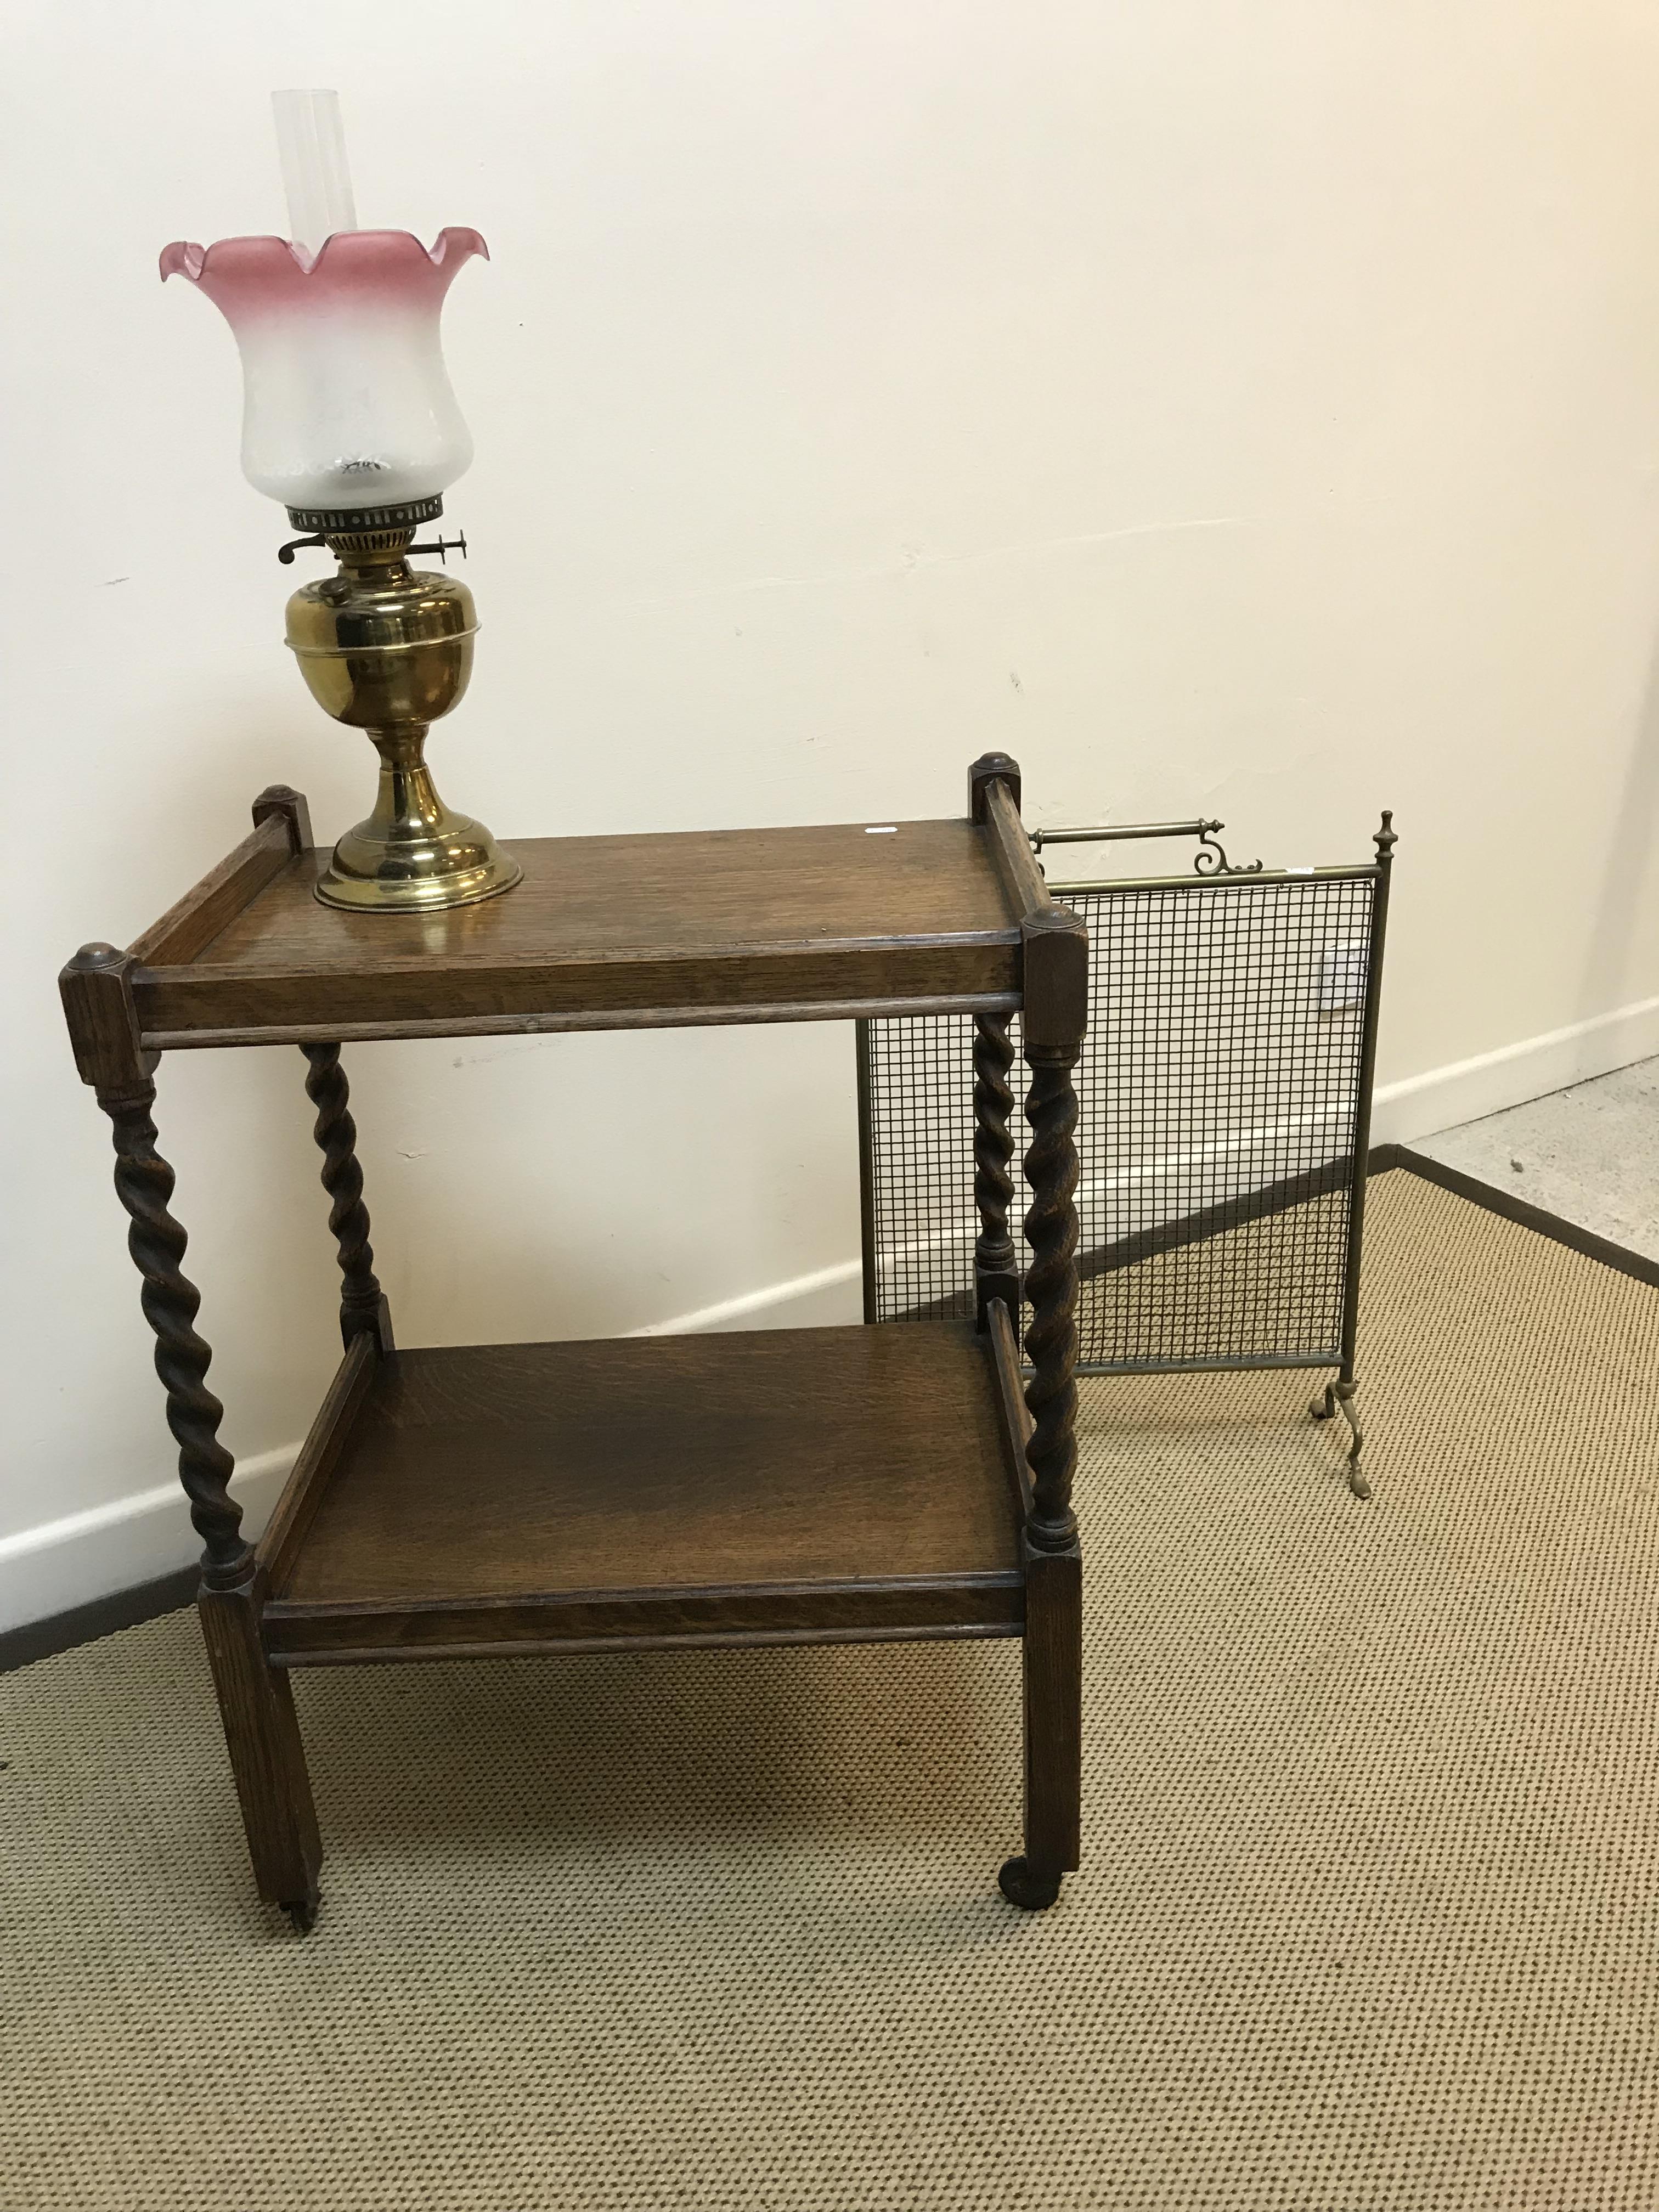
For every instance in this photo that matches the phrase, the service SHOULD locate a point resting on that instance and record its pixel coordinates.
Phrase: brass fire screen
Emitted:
(1224, 1110)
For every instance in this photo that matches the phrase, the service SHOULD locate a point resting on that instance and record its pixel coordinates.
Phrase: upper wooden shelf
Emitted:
(695, 926)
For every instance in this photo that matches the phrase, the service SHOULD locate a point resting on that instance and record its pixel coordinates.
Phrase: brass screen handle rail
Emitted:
(1210, 859)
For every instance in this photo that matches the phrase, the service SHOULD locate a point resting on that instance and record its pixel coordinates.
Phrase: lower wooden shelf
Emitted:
(773, 1487)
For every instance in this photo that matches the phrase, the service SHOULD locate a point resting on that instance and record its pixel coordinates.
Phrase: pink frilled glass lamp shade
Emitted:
(346, 400)
(350, 420)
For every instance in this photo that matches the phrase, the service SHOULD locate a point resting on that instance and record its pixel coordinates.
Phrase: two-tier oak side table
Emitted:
(780, 1487)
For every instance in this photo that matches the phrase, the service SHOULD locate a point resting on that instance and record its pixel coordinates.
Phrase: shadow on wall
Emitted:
(1630, 855)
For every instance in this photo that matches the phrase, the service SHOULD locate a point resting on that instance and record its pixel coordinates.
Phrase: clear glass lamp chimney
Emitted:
(346, 400)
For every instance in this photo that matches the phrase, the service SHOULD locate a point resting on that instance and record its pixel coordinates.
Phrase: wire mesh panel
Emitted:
(1220, 1085)
(1219, 1094)
(916, 1110)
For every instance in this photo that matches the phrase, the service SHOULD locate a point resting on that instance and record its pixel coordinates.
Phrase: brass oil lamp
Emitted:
(350, 420)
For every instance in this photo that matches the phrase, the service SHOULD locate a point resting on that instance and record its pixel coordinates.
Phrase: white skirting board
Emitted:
(132, 1539)
(1469, 1090)
(59, 1564)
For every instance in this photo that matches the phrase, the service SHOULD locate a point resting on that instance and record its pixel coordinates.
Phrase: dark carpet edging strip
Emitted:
(1496, 1199)
(1161, 1236)
(1215, 1220)
(101, 1616)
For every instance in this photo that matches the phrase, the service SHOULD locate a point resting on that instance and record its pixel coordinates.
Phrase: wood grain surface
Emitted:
(697, 921)
(715, 1479)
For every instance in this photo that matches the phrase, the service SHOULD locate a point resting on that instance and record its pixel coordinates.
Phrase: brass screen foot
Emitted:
(1341, 1395)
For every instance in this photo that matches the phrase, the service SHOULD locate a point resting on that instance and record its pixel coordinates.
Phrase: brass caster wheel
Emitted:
(1031, 1891)
(1323, 1408)
(303, 1915)
(1357, 1484)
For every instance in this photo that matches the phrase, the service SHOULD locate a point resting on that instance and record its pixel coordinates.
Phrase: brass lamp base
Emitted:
(414, 854)
(387, 649)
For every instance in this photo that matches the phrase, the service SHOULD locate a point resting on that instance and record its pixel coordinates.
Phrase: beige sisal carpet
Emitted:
(1370, 1919)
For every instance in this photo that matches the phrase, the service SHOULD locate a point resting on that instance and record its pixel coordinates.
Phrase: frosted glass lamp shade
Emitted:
(346, 401)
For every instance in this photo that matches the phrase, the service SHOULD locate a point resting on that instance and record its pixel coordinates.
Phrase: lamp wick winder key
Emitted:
(774, 1487)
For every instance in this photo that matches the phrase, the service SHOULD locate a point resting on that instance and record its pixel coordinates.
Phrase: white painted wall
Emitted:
(1245, 410)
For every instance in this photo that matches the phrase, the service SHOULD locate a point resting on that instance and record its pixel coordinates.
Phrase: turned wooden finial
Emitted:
(282, 798)
(96, 988)
(991, 767)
